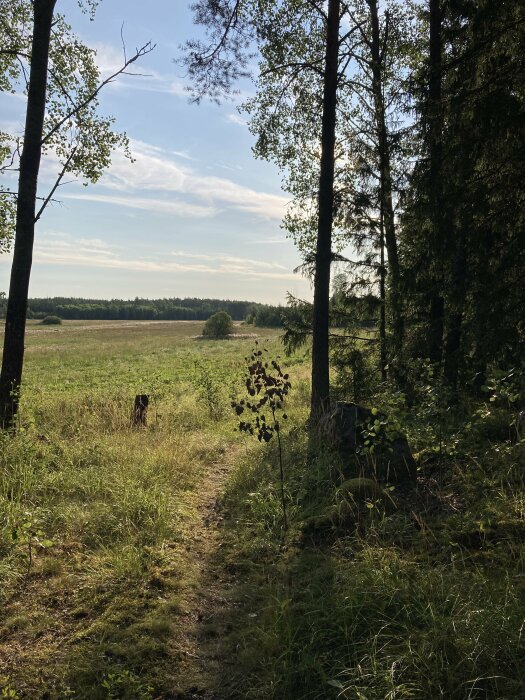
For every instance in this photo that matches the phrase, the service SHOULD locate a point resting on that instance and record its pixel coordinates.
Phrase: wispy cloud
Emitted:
(157, 171)
(151, 204)
(230, 260)
(271, 240)
(234, 118)
(110, 59)
(59, 248)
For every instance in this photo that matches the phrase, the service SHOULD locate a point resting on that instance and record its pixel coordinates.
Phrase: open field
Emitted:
(151, 563)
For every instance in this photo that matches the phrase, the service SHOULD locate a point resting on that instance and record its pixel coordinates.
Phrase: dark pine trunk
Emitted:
(437, 248)
(15, 324)
(320, 329)
(383, 361)
(457, 295)
(385, 174)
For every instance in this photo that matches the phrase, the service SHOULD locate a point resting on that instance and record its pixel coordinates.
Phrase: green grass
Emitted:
(422, 600)
(105, 602)
(360, 600)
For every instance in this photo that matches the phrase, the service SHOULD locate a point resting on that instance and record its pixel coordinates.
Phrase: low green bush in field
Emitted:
(51, 321)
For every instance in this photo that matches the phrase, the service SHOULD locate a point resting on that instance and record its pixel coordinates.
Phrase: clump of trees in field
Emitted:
(51, 321)
(220, 325)
(266, 316)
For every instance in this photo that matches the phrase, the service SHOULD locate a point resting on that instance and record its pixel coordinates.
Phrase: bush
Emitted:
(51, 321)
(218, 326)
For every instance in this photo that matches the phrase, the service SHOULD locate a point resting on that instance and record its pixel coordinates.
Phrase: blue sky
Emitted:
(195, 215)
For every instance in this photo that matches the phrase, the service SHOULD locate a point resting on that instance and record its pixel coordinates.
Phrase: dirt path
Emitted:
(207, 604)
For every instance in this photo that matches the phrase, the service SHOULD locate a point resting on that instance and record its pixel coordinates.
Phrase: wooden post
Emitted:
(140, 410)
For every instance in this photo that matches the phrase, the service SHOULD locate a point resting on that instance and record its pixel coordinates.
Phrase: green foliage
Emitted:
(188, 309)
(380, 432)
(124, 685)
(467, 255)
(357, 370)
(29, 534)
(81, 140)
(207, 382)
(266, 316)
(220, 325)
(387, 601)
(51, 321)
(267, 387)
(505, 388)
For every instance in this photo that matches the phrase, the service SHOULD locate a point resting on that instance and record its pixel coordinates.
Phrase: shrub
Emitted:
(218, 326)
(51, 321)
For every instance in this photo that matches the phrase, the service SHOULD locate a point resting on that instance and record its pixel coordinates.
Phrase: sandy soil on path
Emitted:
(205, 627)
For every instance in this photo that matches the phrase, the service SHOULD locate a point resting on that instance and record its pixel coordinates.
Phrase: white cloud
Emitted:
(154, 170)
(59, 248)
(234, 118)
(158, 206)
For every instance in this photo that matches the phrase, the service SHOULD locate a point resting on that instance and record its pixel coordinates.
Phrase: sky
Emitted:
(195, 215)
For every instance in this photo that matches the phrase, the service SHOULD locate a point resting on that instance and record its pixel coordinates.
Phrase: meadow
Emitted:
(149, 563)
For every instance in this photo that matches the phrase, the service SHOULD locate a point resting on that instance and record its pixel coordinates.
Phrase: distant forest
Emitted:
(175, 309)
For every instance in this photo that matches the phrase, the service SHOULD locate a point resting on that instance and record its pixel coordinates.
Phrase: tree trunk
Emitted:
(13, 357)
(320, 330)
(385, 173)
(457, 294)
(437, 303)
(383, 362)
(139, 416)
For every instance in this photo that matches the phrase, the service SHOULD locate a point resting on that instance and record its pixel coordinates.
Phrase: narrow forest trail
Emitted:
(204, 627)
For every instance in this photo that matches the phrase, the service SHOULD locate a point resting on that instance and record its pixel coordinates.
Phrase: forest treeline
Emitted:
(175, 309)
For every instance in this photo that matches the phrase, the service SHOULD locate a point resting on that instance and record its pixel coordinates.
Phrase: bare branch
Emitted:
(14, 52)
(143, 51)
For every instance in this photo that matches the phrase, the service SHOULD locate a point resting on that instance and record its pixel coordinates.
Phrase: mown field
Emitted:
(151, 563)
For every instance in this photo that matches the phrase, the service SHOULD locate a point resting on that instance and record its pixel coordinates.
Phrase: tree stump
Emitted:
(392, 460)
(140, 410)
